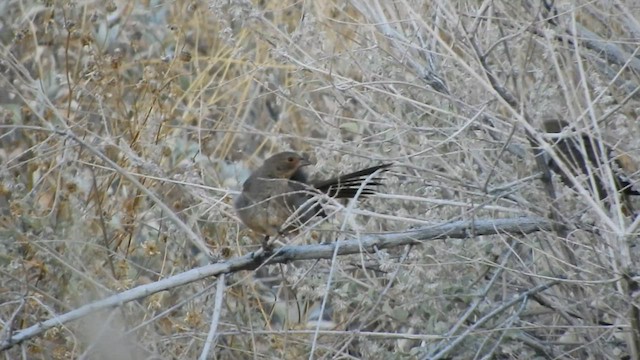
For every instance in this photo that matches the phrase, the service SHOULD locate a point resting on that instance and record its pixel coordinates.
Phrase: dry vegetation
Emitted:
(127, 128)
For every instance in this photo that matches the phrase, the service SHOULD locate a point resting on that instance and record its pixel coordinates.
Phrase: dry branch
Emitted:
(369, 243)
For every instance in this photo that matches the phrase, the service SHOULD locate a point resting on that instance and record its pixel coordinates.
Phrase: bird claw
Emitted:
(266, 246)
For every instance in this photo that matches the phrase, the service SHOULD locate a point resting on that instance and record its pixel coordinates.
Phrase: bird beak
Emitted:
(304, 162)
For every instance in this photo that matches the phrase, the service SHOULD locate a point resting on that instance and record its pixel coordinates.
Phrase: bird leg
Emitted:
(265, 244)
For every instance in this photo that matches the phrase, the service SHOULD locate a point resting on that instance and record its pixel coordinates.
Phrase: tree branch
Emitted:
(368, 243)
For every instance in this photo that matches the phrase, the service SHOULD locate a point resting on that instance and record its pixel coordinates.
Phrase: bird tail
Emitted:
(348, 185)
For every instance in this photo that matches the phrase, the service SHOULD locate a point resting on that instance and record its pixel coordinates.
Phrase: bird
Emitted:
(587, 160)
(278, 197)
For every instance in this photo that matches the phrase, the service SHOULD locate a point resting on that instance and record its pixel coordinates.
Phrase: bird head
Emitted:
(554, 126)
(284, 165)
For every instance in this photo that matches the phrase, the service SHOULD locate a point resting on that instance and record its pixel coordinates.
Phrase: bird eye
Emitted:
(290, 159)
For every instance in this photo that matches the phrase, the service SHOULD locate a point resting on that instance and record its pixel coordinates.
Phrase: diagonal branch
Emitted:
(370, 244)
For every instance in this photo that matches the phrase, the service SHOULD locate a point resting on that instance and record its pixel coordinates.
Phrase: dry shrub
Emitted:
(112, 109)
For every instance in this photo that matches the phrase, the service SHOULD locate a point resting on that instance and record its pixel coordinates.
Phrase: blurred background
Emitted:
(188, 97)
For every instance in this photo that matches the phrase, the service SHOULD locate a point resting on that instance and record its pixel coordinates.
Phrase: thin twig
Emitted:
(522, 297)
(215, 319)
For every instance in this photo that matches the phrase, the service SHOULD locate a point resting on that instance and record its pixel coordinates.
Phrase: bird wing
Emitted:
(266, 204)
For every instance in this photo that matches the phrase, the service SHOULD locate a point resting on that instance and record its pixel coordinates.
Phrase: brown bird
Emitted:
(587, 162)
(278, 197)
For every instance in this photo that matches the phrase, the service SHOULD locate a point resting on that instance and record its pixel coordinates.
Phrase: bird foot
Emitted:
(266, 246)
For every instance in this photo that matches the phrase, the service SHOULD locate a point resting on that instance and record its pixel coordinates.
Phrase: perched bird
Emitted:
(278, 197)
(588, 162)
